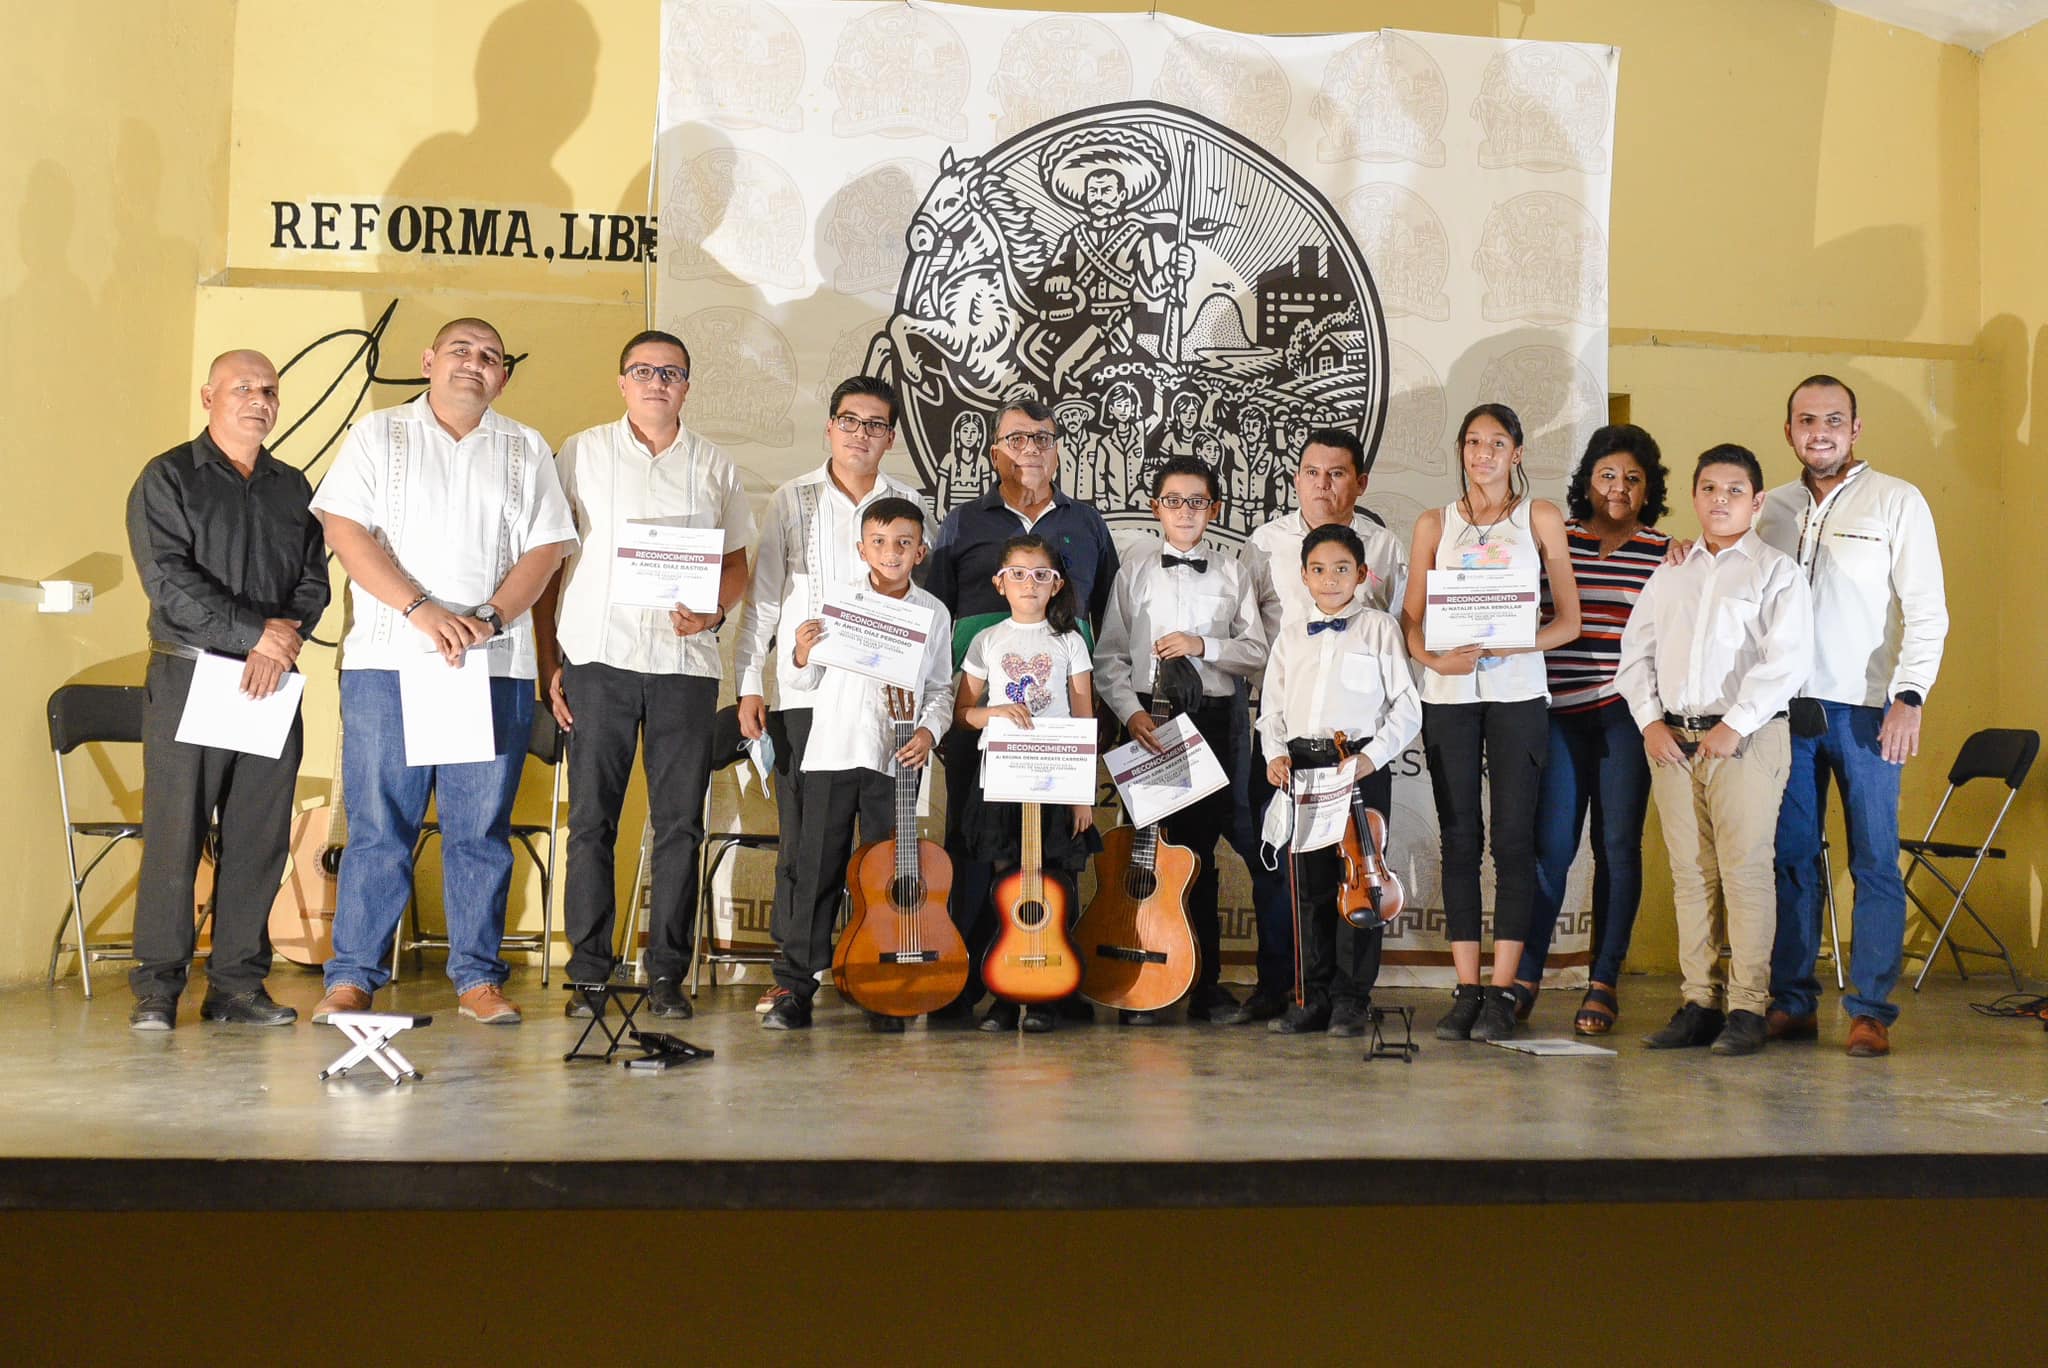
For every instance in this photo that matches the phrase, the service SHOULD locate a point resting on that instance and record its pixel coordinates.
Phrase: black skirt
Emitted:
(995, 832)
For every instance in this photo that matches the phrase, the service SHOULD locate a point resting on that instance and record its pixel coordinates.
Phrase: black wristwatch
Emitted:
(487, 614)
(1910, 697)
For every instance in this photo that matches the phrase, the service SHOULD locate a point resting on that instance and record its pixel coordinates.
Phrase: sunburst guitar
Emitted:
(900, 955)
(1032, 959)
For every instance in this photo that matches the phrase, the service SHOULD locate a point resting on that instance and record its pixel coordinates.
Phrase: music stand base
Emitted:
(1381, 1047)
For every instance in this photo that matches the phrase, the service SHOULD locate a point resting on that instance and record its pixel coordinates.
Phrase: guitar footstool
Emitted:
(370, 1035)
(1382, 1046)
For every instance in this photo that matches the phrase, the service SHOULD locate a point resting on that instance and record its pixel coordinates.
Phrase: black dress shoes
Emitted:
(666, 999)
(154, 1014)
(1690, 1027)
(253, 1008)
(1260, 1006)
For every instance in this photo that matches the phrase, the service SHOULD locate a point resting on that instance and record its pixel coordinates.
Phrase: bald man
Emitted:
(232, 560)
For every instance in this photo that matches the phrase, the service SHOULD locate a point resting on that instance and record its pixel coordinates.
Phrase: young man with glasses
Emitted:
(965, 558)
(1177, 599)
(618, 674)
(810, 540)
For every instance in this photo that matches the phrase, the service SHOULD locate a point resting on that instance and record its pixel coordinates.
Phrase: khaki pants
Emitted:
(1720, 820)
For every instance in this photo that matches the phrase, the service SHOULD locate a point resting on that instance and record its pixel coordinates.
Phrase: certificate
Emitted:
(1051, 762)
(658, 565)
(1492, 607)
(874, 635)
(447, 709)
(1322, 805)
(1156, 786)
(217, 712)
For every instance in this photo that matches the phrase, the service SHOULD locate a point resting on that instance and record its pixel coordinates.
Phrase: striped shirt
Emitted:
(1582, 673)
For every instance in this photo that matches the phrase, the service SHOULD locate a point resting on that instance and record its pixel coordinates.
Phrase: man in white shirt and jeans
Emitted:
(1866, 543)
(620, 673)
(810, 540)
(450, 520)
(1716, 646)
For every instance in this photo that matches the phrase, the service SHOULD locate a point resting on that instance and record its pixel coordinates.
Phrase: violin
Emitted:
(1371, 893)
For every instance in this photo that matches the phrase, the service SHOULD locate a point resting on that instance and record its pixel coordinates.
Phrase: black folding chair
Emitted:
(1995, 753)
(549, 744)
(728, 748)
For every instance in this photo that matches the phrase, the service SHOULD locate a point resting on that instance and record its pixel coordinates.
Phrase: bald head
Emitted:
(240, 399)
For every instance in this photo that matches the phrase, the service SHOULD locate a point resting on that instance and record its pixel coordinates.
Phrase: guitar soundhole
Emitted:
(1030, 915)
(1140, 883)
(907, 893)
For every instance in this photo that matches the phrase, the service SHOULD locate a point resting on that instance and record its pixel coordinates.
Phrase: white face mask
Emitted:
(1277, 828)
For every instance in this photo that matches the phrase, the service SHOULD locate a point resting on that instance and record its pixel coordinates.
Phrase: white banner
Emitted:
(1185, 240)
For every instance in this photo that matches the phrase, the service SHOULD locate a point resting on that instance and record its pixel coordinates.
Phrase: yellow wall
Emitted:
(1796, 189)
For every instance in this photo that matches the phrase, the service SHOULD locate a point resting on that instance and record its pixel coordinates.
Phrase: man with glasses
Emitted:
(965, 558)
(810, 541)
(1329, 476)
(619, 674)
(450, 520)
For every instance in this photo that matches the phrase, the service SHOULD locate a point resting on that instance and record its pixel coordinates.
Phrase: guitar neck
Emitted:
(906, 806)
(1032, 850)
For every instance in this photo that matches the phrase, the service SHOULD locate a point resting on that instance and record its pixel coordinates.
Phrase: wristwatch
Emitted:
(487, 614)
(1910, 697)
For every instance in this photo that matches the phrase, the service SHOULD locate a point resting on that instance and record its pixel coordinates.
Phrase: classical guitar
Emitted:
(1032, 960)
(1137, 947)
(900, 955)
(1371, 893)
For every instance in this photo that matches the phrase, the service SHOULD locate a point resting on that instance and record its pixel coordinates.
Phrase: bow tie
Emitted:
(1198, 564)
(1328, 625)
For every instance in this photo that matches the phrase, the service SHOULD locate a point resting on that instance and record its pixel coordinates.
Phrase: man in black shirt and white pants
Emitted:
(233, 562)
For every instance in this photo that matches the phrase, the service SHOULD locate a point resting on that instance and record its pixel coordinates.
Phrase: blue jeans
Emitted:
(387, 802)
(1848, 754)
(1596, 764)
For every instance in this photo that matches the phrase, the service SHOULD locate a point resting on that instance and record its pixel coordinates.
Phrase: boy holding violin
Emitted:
(1340, 669)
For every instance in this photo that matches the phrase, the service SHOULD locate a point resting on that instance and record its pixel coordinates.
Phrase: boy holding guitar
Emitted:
(1340, 669)
(849, 761)
(1179, 601)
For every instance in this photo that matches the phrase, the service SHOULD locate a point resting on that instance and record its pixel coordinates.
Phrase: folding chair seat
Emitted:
(2003, 754)
(549, 744)
(83, 715)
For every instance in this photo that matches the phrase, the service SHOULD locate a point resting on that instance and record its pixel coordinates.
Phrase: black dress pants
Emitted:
(182, 786)
(960, 753)
(1200, 826)
(790, 730)
(615, 709)
(832, 800)
(1340, 963)
(1508, 743)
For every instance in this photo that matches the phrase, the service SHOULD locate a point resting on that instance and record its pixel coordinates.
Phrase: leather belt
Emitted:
(1320, 752)
(172, 648)
(1689, 722)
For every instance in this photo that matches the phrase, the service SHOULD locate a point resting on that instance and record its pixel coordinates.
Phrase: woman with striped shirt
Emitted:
(1596, 757)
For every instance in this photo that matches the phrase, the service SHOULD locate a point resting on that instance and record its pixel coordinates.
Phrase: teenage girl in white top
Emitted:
(1488, 709)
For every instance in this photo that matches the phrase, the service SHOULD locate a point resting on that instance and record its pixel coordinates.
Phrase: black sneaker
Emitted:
(1001, 1016)
(1743, 1034)
(1260, 1006)
(1303, 1018)
(1456, 1024)
(1690, 1027)
(666, 999)
(1496, 1016)
(578, 1007)
(1213, 1003)
(885, 1025)
(1041, 1018)
(1350, 1018)
(158, 1013)
(788, 1014)
(253, 1008)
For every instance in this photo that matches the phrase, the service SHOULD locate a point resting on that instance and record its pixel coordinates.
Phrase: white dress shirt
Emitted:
(611, 479)
(1150, 599)
(854, 730)
(455, 516)
(1871, 559)
(809, 539)
(1728, 636)
(1273, 553)
(1356, 681)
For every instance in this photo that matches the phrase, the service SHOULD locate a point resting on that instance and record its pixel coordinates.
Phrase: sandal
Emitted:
(1597, 1010)
(1525, 998)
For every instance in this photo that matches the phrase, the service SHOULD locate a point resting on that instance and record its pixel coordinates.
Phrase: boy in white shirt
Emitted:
(849, 763)
(1180, 600)
(1341, 668)
(1717, 646)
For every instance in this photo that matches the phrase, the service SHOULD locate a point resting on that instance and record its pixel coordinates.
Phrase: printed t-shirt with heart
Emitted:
(1029, 664)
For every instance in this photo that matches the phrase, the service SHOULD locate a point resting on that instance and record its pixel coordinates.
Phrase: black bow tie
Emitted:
(1328, 625)
(1198, 564)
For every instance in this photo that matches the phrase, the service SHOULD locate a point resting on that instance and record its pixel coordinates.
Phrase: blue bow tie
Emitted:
(1328, 625)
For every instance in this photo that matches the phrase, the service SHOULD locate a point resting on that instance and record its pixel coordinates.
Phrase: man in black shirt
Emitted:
(233, 563)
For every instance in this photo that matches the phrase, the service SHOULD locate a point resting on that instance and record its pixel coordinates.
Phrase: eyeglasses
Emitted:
(873, 427)
(1020, 442)
(1201, 503)
(1037, 574)
(668, 375)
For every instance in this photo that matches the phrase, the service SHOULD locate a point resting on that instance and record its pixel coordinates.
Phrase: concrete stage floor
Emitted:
(213, 1117)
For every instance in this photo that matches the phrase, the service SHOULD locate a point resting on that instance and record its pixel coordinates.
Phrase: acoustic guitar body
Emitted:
(302, 917)
(900, 954)
(1137, 948)
(1032, 959)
